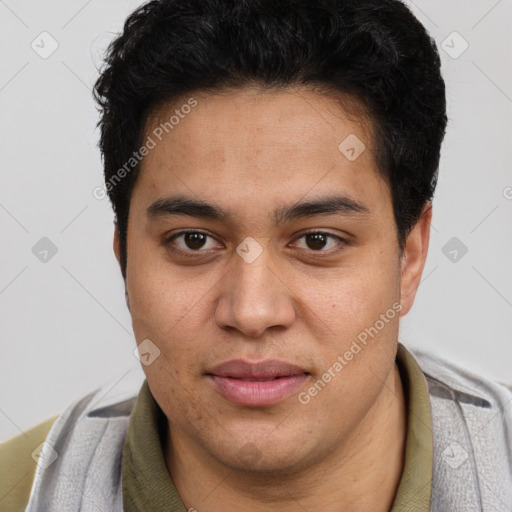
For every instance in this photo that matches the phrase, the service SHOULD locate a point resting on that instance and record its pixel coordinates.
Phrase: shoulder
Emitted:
(18, 466)
(471, 427)
(464, 383)
(109, 404)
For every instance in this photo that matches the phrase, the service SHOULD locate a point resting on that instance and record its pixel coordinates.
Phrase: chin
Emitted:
(264, 457)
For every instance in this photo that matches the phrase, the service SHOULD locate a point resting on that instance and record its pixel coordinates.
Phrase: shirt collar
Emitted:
(415, 486)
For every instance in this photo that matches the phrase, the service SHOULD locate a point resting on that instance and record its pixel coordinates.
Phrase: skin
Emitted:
(249, 151)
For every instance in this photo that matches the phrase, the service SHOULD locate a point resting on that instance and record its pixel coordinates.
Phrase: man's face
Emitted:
(254, 286)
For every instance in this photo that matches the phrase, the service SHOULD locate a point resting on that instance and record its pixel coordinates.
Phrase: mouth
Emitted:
(257, 384)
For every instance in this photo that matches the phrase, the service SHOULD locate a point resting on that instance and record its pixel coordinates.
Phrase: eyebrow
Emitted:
(333, 205)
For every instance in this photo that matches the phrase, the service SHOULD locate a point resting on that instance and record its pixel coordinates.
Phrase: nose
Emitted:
(254, 297)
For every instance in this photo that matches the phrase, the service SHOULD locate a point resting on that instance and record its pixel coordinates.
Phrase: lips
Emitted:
(257, 384)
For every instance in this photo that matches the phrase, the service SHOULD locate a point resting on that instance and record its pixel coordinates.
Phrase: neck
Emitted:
(362, 474)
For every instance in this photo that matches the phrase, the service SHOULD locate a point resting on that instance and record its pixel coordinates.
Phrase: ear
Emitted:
(117, 252)
(116, 244)
(414, 257)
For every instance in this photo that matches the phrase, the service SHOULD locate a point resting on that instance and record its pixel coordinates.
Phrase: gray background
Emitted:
(65, 328)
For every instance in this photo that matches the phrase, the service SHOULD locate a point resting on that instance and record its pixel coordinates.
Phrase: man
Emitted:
(271, 167)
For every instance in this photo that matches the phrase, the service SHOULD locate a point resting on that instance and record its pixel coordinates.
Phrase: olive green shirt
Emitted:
(146, 483)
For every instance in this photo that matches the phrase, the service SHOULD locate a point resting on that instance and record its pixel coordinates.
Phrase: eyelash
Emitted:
(192, 253)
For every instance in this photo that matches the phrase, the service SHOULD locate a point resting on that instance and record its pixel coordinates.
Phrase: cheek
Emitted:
(363, 318)
(161, 299)
(172, 320)
(353, 308)
(169, 319)
(355, 297)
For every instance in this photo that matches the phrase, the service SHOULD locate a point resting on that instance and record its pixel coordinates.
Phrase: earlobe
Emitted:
(414, 257)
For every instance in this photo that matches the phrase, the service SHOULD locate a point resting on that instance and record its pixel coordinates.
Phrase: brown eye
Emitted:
(316, 241)
(190, 242)
(194, 240)
(319, 241)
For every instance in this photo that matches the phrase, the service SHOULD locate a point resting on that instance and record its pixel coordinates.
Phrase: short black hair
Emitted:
(373, 51)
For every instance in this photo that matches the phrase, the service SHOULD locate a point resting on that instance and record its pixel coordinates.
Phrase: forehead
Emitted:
(259, 147)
